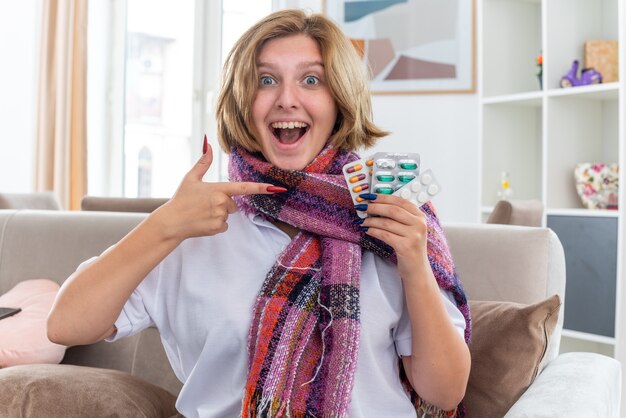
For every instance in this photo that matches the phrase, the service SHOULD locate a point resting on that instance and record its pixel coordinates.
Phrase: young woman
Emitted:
(270, 298)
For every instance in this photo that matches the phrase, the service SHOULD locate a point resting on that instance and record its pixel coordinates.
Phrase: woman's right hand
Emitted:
(199, 208)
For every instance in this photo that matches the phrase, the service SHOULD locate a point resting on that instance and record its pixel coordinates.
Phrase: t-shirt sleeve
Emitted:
(402, 334)
(134, 316)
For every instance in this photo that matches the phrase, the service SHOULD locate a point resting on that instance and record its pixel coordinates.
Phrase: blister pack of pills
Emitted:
(358, 174)
(421, 189)
(392, 170)
(390, 173)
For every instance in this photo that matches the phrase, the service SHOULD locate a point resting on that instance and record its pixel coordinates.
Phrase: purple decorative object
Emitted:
(587, 76)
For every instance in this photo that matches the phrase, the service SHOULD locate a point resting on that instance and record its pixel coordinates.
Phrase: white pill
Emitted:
(433, 189)
(426, 178)
(415, 186)
(422, 197)
(405, 193)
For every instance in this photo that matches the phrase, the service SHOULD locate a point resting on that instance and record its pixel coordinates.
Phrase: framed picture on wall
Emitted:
(411, 46)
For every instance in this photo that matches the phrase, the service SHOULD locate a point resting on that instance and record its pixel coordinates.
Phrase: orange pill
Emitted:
(356, 178)
(369, 163)
(360, 188)
(354, 168)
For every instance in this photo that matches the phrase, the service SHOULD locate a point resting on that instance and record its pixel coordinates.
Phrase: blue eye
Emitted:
(266, 80)
(311, 80)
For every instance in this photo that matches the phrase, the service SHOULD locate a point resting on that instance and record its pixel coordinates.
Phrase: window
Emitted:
(153, 74)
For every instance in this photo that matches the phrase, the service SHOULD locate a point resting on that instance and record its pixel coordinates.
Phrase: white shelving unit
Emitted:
(539, 132)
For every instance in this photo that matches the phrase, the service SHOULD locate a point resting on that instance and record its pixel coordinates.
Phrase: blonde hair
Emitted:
(345, 75)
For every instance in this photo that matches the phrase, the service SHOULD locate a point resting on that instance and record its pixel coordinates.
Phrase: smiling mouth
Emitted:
(289, 132)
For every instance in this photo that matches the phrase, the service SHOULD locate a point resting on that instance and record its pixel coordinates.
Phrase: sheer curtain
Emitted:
(61, 135)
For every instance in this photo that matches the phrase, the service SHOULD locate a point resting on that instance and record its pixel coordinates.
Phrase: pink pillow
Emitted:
(23, 337)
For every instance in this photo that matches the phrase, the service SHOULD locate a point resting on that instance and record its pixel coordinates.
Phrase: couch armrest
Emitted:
(573, 385)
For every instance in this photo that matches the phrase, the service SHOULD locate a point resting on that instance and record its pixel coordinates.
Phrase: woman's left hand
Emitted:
(402, 225)
(439, 365)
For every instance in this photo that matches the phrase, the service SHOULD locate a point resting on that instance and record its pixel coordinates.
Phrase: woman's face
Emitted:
(294, 111)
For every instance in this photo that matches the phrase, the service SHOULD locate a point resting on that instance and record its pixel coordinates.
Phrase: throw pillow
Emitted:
(24, 337)
(509, 341)
(67, 391)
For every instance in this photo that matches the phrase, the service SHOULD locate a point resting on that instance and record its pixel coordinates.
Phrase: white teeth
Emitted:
(288, 125)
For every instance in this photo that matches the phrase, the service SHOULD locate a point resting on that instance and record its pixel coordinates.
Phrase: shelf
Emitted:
(511, 39)
(539, 134)
(578, 131)
(511, 143)
(533, 99)
(567, 212)
(588, 337)
(608, 91)
(583, 212)
(569, 24)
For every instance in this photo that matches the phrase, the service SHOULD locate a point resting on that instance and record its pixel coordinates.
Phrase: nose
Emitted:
(287, 97)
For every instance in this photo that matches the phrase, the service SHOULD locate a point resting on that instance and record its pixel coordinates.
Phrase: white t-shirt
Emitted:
(201, 297)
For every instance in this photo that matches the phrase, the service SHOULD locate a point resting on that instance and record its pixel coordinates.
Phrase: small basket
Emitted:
(597, 184)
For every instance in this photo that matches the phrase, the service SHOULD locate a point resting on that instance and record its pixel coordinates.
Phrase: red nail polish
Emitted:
(275, 189)
(205, 146)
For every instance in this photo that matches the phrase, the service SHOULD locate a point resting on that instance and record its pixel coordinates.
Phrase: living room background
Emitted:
(442, 128)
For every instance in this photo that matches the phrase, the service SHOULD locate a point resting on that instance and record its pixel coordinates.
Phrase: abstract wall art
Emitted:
(412, 46)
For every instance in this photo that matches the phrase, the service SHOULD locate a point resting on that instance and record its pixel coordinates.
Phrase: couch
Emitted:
(498, 263)
(34, 200)
(121, 204)
(517, 212)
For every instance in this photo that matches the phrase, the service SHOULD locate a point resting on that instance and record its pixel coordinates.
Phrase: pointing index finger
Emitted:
(247, 187)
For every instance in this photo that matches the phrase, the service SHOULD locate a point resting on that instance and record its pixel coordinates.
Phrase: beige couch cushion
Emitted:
(59, 390)
(35, 200)
(508, 345)
(510, 264)
(121, 204)
(517, 212)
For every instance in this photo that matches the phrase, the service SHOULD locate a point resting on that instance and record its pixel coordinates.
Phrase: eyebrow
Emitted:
(302, 65)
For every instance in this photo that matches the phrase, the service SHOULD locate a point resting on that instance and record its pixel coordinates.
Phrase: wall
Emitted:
(443, 129)
(18, 47)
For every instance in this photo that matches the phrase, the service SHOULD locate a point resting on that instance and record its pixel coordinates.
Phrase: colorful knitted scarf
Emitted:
(304, 337)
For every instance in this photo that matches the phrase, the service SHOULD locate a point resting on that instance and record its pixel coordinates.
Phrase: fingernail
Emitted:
(358, 221)
(361, 206)
(276, 189)
(364, 228)
(205, 145)
(368, 196)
